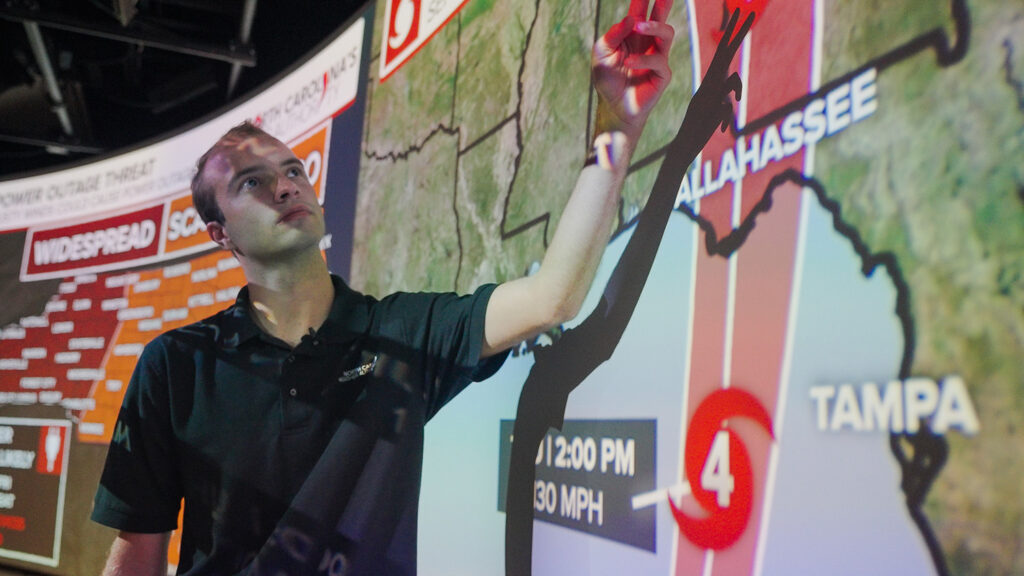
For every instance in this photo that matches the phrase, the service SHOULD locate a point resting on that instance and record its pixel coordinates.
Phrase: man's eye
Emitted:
(250, 182)
(295, 172)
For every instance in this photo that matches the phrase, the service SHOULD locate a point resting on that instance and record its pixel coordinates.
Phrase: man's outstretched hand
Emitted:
(630, 67)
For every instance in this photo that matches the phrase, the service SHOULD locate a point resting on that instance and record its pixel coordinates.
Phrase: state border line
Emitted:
(947, 55)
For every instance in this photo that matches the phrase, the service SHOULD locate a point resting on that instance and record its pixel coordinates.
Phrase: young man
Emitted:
(292, 422)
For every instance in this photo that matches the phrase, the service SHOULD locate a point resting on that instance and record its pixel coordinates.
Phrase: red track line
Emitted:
(781, 45)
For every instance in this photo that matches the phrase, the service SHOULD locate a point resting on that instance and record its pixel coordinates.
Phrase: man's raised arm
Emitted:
(630, 72)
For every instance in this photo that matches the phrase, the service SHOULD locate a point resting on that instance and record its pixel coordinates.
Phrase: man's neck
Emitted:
(288, 302)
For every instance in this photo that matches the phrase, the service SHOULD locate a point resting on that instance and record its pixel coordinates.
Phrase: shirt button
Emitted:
(316, 342)
(291, 359)
(293, 392)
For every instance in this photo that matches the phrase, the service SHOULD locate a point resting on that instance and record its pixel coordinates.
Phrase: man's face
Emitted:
(270, 209)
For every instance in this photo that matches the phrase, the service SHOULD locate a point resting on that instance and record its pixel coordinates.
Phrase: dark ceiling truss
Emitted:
(71, 70)
(138, 32)
(124, 72)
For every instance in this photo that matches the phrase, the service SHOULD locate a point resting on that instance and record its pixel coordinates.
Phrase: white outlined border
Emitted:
(424, 35)
(53, 561)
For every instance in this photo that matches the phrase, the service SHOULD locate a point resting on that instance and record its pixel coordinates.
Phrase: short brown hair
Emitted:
(203, 197)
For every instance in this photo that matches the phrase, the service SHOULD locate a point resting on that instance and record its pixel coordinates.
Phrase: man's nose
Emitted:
(285, 188)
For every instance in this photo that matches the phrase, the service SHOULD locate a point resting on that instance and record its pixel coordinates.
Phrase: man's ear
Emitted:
(219, 235)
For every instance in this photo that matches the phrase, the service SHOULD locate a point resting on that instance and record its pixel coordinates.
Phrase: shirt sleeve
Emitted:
(448, 330)
(139, 489)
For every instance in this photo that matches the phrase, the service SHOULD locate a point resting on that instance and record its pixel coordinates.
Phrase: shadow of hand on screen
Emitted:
(560, 368)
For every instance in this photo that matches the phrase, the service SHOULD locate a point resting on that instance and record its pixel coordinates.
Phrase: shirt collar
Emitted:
(347, 319)
(349, 316)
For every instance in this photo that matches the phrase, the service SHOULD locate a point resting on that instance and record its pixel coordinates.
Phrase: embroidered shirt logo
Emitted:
(358, 371)
(122, 436)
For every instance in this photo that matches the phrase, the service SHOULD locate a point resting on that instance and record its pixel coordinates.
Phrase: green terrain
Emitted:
(492, 118)
(936, 177)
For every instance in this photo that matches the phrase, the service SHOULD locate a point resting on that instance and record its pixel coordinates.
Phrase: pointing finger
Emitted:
(733, 18)
(638, 9)
(615, 36)
(659, 30)
(744, 28)
(654, 62)
(661, 10)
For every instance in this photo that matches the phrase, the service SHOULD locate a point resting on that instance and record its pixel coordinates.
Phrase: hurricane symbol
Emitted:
(401, 25)
(718, 469)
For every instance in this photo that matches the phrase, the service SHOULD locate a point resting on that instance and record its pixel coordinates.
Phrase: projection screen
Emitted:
(821, 371)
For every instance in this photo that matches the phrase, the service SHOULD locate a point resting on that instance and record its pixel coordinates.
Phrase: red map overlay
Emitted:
(741, 304)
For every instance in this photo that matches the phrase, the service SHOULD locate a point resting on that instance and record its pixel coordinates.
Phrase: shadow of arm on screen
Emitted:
(560, 368)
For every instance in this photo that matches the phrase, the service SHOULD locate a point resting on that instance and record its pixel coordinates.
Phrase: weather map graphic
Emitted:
(819, 371)
(806, 269)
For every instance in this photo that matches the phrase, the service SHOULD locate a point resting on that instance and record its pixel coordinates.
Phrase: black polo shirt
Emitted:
(294, 461)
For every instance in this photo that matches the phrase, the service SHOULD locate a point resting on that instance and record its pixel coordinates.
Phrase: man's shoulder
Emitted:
(442, 300)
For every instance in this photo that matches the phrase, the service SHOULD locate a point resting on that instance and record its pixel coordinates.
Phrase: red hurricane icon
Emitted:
(403, 26)
(723, 524)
